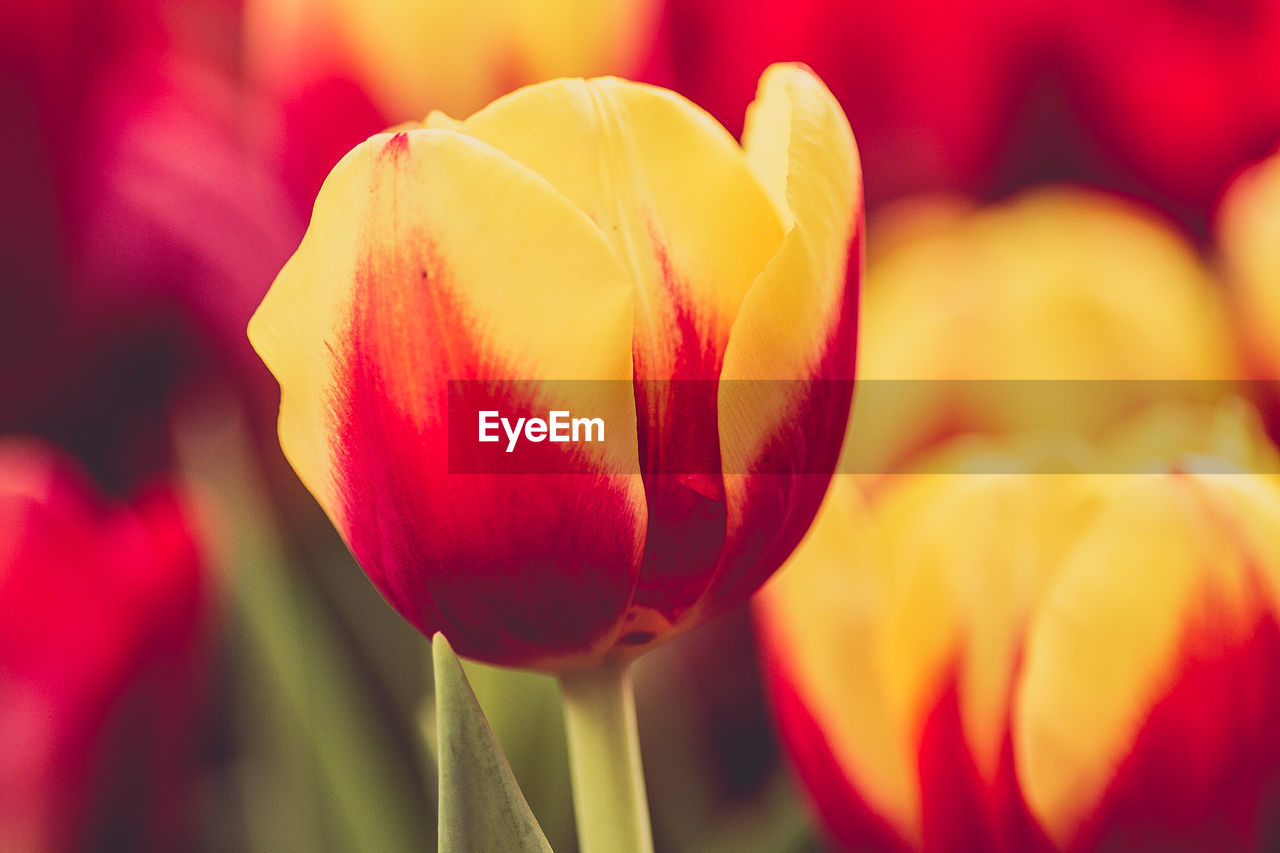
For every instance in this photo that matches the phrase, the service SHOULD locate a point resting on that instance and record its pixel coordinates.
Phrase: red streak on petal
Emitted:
(679, 450)
(783, 497)
(850, 820)
(960, 809)
(513, 568)
(1204, 769)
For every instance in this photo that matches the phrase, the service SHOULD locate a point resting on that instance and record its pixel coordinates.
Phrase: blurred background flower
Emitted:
(1022, 661)
(1059, 307)
(342, 70)
(1178, 96)
(1248, 230)
(105, 642)
(137, 224)
(1162, 99)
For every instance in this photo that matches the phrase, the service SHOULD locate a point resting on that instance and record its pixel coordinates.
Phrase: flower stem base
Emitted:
(604, 761)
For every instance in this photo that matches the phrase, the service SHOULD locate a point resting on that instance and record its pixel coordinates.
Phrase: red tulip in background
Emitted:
(1162, 98)
(928, 86)
(1180, 95)
(102, 640)
(137, 227)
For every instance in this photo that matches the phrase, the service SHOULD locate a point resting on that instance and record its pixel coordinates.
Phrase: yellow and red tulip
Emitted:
(576, 230)
(102, 641)
(1022, 661)
(964, 307)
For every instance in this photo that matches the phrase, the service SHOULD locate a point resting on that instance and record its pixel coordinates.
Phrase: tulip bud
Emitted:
(599, 235)
(101, 639)
(1021, 661)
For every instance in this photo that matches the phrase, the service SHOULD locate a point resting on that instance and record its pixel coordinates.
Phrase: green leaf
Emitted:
(523, 709)
(317, 769)
(481, 807)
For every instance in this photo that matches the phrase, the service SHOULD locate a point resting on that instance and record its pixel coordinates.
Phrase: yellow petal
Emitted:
(801, 150)
(1056, 284)
(671, 192)
(668, 188)
(824, 615)
(785, 391)
(971, 555)
(1107, 642)
(542, 294)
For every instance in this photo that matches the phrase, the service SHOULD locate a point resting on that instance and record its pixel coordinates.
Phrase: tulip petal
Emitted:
(969, 556)
(786, 386)
(1152, 602)
(672, 193)
(827, 676)
(433, 257)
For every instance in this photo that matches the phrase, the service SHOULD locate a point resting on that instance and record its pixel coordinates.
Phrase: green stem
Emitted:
(604, 761)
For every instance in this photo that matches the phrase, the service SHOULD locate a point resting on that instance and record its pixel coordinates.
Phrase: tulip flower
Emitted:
(343, 69)
(612, 234)
(1060, 308)
(101, 642)
(1249, 235)
(132, 262)
(598, 230)
(1018, 661)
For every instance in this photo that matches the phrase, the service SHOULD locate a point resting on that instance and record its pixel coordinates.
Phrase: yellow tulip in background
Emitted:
(1011, 660)
(1042, 311)
(335, 71)
(455, 55)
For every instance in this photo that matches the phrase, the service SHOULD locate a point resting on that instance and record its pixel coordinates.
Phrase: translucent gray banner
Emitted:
(789, 428)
